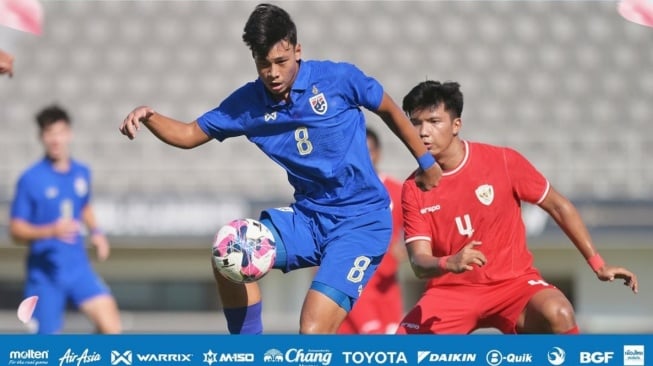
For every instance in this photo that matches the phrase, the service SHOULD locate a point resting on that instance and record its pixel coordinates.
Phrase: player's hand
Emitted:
(132, 122)
(429, 178)
(466, 258)
(66, 230)
(102, 247)
(610, 273)
(6, 63)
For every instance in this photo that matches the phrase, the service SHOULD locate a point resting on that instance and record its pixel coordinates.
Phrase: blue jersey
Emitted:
(318, 136)
(44, 195)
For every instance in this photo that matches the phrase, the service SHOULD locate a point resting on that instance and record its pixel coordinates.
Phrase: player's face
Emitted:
(56, 139)
(279, 69)
(435, 127)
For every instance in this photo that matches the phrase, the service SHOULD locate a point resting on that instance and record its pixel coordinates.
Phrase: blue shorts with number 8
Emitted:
(346, 248)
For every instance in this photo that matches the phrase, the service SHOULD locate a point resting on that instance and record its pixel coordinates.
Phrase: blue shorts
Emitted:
(346, 248)
(54, 294)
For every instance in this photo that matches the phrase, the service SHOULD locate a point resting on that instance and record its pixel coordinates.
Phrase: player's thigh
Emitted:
(102, 310)
(295, 232)
(320, 313)
(48, 315)
(353, 250)
(547, 311)
(522, 304)
(86, 285)
(447, 310)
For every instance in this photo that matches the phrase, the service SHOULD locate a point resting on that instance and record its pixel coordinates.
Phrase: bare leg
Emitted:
(235, 295)
(320, 314)
(103, 312)
(548, 311)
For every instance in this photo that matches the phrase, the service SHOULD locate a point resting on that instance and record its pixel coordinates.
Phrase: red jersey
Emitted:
(479, 200)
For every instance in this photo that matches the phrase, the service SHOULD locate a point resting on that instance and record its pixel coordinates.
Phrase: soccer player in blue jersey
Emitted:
(51, 202)
(306, 116)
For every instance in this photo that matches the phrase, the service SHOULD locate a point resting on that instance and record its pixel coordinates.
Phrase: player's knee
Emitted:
(560, 317)
(314, 326)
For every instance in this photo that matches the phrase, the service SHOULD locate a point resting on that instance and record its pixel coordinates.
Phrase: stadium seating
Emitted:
(567, 83)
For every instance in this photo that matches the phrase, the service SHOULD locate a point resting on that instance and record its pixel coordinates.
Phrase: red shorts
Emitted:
(461, 309)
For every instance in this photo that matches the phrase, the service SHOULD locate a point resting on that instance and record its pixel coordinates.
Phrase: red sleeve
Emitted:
(415, 225)
(528, 183)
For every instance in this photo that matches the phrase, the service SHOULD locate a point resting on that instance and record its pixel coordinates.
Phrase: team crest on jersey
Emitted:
(485, 194)
(51, 192)
(81, 187)
(319, 103)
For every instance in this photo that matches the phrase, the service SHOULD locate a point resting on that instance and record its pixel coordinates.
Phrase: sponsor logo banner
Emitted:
(289, 350)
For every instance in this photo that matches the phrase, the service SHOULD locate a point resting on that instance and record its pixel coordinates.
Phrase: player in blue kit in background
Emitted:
(305, 115)
(51, 202)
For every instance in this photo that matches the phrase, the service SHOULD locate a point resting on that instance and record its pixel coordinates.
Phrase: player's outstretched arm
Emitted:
(394, 117)
(23, 232)
(172, 132)
(568, 218)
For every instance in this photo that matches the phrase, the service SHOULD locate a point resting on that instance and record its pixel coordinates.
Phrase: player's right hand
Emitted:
(132, 122)
(429, 178)
(466, 258)
(66, 230)
(610, 273)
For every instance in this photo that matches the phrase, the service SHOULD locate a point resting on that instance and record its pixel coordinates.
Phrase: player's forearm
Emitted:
(569, 220)
(426, 266)
(88, 217)
(172, 131)
(24, 233)
(397, 121)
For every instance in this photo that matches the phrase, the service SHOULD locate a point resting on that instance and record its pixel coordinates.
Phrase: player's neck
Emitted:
(61, 165)
(453, 156)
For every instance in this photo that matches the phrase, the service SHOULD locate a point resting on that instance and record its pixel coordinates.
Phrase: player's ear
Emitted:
(457, 126)
(298, 51)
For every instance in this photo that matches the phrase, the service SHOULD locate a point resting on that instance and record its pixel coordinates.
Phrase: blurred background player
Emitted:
(467, 236)
(6, 63)
(51, 202)
(380, 307)
(305, 115)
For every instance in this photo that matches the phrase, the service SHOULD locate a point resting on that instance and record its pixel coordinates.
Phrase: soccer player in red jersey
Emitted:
(467, 237)
(380, 307)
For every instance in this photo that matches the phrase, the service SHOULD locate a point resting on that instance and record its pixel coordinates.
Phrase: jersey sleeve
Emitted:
(365, 90)
(527, 182)
(21, 207)
(226, 120)
(415, 225)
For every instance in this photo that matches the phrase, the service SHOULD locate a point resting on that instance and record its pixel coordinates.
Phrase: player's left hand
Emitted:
(610, 273)
(429, 178)
(6, 63)
(102, 247)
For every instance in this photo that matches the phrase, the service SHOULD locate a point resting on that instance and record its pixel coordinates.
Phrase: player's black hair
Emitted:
(267, 25)
(431, 94)
(372, 135)
(50, 115)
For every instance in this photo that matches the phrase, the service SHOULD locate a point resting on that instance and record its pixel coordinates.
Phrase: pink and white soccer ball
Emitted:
(244, 250)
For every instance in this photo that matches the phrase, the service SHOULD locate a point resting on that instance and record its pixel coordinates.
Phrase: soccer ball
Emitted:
(244, 250)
